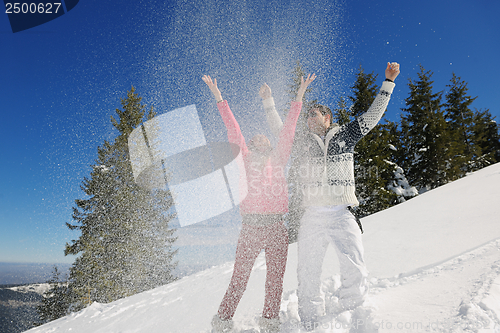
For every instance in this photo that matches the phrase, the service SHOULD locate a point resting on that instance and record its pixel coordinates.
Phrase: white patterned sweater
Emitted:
(326, 168)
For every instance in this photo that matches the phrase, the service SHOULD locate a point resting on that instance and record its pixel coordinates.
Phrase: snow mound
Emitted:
(39, 288)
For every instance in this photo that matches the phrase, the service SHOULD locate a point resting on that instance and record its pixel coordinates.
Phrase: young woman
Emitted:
(261, 211)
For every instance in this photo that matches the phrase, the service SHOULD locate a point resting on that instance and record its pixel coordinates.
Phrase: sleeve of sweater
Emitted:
(354, 131)
(287, 134)
(233, 129)
(273, 118)
(370, 118)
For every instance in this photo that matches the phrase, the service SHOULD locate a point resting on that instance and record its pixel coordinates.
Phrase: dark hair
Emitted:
(324, 110)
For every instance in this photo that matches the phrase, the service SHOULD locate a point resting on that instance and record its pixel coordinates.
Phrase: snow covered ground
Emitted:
(434, 266)
(38, 288)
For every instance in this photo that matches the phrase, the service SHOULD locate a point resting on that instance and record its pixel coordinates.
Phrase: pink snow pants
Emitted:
(274, 240)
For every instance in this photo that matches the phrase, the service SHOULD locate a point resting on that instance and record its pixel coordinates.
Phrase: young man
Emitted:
(326, 173)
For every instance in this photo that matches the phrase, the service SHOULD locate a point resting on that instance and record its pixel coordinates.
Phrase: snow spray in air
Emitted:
(206, 180)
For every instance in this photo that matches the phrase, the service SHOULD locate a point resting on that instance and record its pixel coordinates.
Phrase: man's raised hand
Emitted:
(392, 71)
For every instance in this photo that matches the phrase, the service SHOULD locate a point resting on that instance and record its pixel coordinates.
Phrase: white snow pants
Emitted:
(320, 226)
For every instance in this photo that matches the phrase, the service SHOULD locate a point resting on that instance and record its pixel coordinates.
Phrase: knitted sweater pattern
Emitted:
(326, 169)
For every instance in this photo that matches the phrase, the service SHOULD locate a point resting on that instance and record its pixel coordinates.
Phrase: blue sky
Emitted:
(62, 81)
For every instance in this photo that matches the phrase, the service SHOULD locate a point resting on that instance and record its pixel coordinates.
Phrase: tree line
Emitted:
(438, 139)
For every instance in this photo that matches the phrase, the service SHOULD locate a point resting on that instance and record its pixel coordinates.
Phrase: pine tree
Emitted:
(460, 120)
(364, 92)
(342, 113)
(486, 138)
(427, 151)
(297, 73)
(373, 173)
(301, 129)
(372, 153)
(56, 301)
(295, 210)
(125, 242)
(399, 184)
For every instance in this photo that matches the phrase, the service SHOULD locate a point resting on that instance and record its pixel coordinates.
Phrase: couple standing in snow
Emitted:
(327, 182)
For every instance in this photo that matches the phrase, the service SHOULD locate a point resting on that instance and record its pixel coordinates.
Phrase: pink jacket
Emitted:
(267, 187)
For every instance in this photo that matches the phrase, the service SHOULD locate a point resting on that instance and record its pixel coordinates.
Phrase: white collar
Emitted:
(334, 128)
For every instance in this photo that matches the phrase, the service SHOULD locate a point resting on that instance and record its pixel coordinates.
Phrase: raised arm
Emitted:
(212, 85)
(303, 86)
(288, 133)
(233, 129)
(372, 116)
(273, 118)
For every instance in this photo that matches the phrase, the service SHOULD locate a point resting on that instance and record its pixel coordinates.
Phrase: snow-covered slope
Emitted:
(434, 263)
(435, 226)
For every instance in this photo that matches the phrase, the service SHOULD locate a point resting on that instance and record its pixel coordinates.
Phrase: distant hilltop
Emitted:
(14, 274)
(18, 306)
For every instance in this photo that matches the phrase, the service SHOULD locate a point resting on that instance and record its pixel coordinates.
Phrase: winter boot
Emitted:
(221, 326)
(269, 325)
